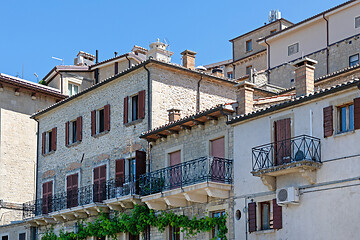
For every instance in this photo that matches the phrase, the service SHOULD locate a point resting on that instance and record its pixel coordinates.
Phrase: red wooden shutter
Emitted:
(277, 218)
(43, 142)
(328, 121)
(107, 117)
(99, 183)
(218, 148)
(283, 142)
(72, 190)
(47, 197)
(93, 123)
(116, 67)
(252, 216)
(54, 138)
(126, 104)
(141, 104)
(357, 113)
(79, 129)
(140, 163)
(175, 172)
(120, 172)
(67, 133)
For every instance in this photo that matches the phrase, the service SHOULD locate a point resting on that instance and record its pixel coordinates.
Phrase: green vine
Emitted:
(137, 221)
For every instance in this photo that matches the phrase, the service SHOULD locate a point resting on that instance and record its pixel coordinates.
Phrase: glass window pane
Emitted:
(265, 216)
(74, 131)
(70, 89)
(76, 89)
(101, 120)
(351, 117)
(342, 119)
(134, 108)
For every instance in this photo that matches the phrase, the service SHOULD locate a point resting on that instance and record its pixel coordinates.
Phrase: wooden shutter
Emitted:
(107, 117)
(328, 121)
(43, 142)
(357, 113)
(282, 135)
(67, 124)
(140, 163)
(93, 123)
(99, 183)
(126, 104)
(54, 138)
(120, 172)
(79, 129)
(218, 148)
(47, 197)
(116, 67)
(252, 216)
(277, 217)
(141, 104)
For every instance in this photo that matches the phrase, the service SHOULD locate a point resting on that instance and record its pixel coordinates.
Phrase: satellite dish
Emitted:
(201, 68)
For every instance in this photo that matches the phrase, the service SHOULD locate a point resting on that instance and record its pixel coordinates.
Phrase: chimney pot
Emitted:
(304, 76)
(245, 97)
(188, 59)
(174, 114)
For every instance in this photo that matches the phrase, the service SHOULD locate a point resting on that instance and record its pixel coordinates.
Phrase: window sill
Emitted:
(101, 134)
(133, 122)
(339, 134)
(73, 144)
(49, 153)
(250, 51)
(267, 231)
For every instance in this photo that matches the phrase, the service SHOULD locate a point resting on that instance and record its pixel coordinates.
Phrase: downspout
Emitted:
(268, 55)
(149, 93)
(246, 220)
(37, 165)
(129, 61)
(234, 68)
(198, 94)
(327, 44)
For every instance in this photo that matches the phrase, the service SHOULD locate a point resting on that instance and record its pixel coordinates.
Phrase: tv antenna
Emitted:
(167, 42)
(274, 15)
(59, 59)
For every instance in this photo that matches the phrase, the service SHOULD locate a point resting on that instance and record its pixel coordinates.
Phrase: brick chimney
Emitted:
(244, 97)
(174, 114)
(217, 72)
(304, 76)
(188, 59)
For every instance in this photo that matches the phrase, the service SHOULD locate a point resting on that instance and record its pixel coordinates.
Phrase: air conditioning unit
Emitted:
(288, 195)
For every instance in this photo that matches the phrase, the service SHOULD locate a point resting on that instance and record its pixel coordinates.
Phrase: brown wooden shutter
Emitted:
(107, 117)
(126, 104)
(43, 142)
(252, 216)
(54, 138)
(79, 129)
(67, 124)
(282, 135)
(120, 172)
(357, 113)
(328, 121)
(47, 197)
(140, 163)
(277, 218)
(93, 123)
(116, 67)
(141, 104)
(218, 147)
(99, 183)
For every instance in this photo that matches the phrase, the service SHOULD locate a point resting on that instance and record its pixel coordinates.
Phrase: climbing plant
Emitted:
(137, 221)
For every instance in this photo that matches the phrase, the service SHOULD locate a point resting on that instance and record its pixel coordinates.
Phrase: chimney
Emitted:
(218, 72)
(188, 59)
(244, 97)
(158, 51)
(304, 76)
(174, 114)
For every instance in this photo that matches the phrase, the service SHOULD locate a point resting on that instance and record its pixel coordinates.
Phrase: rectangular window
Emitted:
(134, 108)
(248, 70)
(357, 22)
(346, 118)
(73, 131)
(230, 75)
(353, 60)
(101, 120)
(273, 31)
(215, 231)
(22, 236)
(132, 169)
(292, 49)
(134, 237)
(249, 46)
(49, 141)
(72, 89)
(5, 237)
(266, 218)
(174, 233)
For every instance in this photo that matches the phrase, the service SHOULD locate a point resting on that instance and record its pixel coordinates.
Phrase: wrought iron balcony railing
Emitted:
(204, 169)
(95, 193)
(287, 151)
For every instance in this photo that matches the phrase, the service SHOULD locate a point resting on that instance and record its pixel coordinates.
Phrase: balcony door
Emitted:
(175, 169)
(47, 197)
(217, 148)
(282, 135)
(72, 190)
(99, 191)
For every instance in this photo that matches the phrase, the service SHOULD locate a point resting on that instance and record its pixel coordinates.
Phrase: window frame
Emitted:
(71, 91)
(73, 132)
(270, 215)
(174, 233)
(352, 63)
(357, 21)
(230, 75)
(248, 69)
(221, 212)
(98, 127)
(134, 104)
(348, 116)
(294, 44)
(22, 233)
(249, 45)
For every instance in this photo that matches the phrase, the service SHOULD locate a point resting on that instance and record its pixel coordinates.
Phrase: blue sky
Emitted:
(34, 31)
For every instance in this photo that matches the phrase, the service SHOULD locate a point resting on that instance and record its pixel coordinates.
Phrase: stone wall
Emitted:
(14, 230)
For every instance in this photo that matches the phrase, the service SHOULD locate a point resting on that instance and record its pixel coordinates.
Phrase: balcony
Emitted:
(301, 154)
(191, 181)
(84, 202)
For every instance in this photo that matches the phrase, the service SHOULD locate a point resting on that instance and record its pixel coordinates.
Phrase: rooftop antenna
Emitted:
(59, 59)
(37, 77)
(274, 15)
(167, 42)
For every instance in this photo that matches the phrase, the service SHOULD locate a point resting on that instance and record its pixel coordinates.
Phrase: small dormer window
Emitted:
(72, 89)
(357, 22)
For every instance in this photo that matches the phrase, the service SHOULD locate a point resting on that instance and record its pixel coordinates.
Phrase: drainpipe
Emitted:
(37, 165)
(149, 92)
(246, 220)
(198, 94)
(327, 44)
(128, 61)
(234, 67)
(268, 55)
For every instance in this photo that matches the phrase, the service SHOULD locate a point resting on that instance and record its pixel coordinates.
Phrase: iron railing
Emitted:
(94, 193)
(199, 170)
(287, 151)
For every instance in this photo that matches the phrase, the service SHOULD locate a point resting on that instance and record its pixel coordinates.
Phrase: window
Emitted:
(248, 70)
(73, 131)
(266, 216)
(72, 190)
(132, 169)
(346, 118)
(22, 236)
(353, 60)
(273, 31)
(100, 120)
(72, 89)
(5, 237)
(49, 141)
(357, 22)
(292, 49)
(249, 46)
(134, 107)
(47, 193)
(230, 75)
(215, 231)
(134, 237)
(174, 233)
(147, 233)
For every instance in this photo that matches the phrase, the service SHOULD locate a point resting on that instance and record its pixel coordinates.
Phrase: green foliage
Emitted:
(137, 221)
(43, 82)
